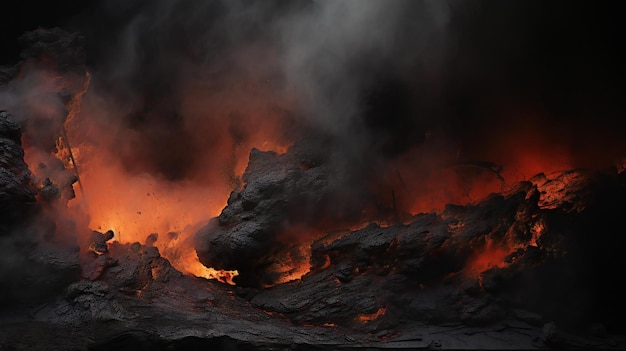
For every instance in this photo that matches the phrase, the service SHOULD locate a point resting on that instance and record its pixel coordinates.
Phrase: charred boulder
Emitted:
(278, 191)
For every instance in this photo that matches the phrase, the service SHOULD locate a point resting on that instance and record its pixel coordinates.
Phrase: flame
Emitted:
(135, 204)
(193, 266)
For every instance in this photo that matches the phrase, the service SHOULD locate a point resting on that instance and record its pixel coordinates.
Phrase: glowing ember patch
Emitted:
(292, 265)
(490, 256)
(536, 231)
(557, 188)
(277, 148)
(199, 270)
(370, 317)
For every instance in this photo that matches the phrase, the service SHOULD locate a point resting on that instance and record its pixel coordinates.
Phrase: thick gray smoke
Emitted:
(328, 65)
(338, 49)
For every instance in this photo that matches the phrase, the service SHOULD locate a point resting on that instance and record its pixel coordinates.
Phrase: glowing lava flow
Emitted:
(293, 264)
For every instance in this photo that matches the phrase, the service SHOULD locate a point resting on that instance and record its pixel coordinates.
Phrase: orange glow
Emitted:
(556, 188)
(490, 256)
(518, 145)
(121, 188)
(193, 266)
(370, 317)
(137, 202)
(436, 183)
(536, 231)
(292, 265)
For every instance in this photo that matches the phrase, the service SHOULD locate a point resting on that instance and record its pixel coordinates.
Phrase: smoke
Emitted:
(340, 51)
(35, 103)
(177, 75)
(446, 82)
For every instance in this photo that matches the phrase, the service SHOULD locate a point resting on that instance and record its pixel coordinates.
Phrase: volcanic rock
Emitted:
(432, 281)
(280, 192)
(475, 264)
(17, 195)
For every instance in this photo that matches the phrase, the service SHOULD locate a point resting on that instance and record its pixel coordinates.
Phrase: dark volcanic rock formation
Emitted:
(298, 190)
(526, 268)
(475, 264)
(537, 254)
(17, 194)
(35, 260)
(489, 275)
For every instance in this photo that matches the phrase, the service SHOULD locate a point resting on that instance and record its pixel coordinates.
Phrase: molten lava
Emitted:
(293, 265)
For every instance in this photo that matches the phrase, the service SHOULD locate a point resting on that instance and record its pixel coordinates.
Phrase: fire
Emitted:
(135, 202)
(191, 265)
(130, 179)
(433, 184)
(136, 206)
